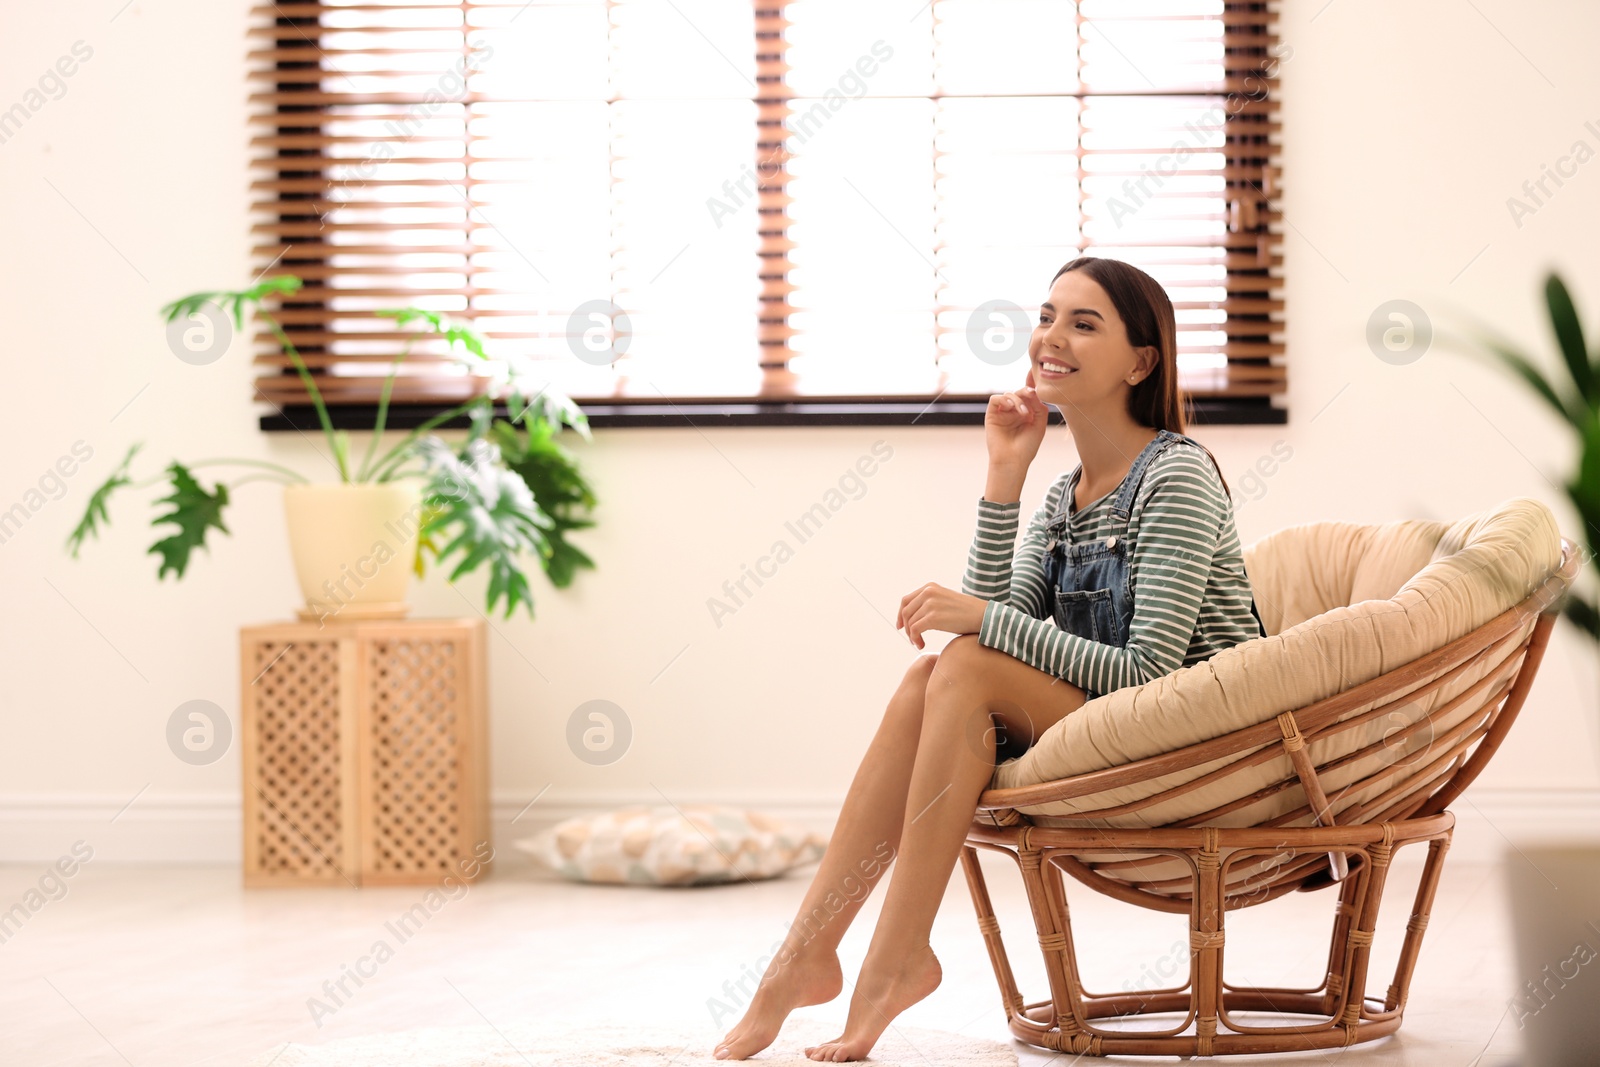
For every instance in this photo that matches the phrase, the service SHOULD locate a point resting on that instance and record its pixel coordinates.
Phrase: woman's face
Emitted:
(1080, 333)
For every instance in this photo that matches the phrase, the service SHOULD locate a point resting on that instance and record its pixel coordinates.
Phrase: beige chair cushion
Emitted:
(1342, 604)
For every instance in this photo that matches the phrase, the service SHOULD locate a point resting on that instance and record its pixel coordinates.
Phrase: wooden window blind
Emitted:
(799, 200)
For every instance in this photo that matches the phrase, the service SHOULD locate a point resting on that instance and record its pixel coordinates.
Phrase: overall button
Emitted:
(1111, 542)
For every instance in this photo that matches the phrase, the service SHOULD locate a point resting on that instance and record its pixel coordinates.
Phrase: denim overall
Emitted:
(1088, 582)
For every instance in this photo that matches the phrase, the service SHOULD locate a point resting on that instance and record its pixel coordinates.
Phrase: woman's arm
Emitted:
(1180, 519)
(997, 573)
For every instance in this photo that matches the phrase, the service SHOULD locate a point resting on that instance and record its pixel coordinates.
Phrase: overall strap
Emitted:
(1122, 506)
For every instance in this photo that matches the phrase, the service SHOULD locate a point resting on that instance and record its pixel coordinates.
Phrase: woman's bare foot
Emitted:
(811, 977)
(877, 1000)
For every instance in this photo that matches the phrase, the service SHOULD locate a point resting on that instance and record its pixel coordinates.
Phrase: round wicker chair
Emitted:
(1397, 657)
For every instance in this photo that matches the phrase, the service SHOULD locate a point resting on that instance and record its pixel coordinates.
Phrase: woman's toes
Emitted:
(819, 1052)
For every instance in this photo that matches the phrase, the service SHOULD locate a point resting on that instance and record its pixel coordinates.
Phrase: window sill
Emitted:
(866, 412)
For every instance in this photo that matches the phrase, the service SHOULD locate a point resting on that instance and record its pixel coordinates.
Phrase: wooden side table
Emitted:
(365, 748)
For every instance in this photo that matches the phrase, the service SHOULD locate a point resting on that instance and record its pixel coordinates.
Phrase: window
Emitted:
(790, 209)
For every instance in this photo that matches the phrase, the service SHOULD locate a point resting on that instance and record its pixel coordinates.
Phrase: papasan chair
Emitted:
(1396, 658)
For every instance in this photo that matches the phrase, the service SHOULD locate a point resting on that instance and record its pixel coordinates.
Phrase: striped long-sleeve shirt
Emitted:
(1191, 597)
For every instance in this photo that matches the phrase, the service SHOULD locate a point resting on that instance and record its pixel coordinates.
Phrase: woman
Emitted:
(1129, 570)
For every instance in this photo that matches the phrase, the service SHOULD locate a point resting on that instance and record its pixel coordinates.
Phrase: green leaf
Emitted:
(282, 283)
(1584, 489)
(480, 415)
(407, 315)
(1574, 411)
(453, 333)
(553, 477)
(231, 300)
(341, 452)
(1578, 406)
(1569, 335)
(193, 511)
(95, 515)
(1582, 614)
(467, 338)
(549, 406)
(490, 512)
(565, 558)
(425, 541)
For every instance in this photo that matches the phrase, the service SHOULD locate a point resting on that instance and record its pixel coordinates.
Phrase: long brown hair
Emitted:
(1156, 401)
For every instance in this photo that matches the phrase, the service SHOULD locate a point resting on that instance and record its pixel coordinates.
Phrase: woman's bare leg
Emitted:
(954, 764)
(806, 969)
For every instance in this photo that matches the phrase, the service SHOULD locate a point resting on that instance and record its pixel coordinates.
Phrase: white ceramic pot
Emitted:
(353, 547)
(1555, 921)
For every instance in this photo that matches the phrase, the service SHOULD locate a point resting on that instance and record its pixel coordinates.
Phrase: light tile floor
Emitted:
(181, 967)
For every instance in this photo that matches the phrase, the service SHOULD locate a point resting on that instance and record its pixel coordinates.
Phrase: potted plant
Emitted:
(505, 490)
(1555, 887)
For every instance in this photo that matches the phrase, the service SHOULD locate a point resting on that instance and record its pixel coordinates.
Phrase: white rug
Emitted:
(553, 1045)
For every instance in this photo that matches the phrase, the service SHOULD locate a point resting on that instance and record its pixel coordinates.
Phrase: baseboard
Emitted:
(204, 828)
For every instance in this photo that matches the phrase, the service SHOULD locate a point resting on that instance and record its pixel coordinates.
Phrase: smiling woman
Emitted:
(1132, 566)
(1107, 591)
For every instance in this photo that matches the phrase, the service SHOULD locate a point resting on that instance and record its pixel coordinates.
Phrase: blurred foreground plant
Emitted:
(1576, 399)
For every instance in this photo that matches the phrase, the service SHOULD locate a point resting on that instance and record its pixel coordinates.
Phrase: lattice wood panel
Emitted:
(294, 764)
(365, 752)
(417, 733)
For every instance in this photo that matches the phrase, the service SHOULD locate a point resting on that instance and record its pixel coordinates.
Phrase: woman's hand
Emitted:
(933, 607)
(1013, 427)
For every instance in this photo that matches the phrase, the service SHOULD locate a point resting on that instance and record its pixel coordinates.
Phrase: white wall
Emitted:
(1409, 126)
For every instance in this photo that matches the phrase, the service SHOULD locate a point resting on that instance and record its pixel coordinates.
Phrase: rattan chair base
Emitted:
(1335, 1014)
